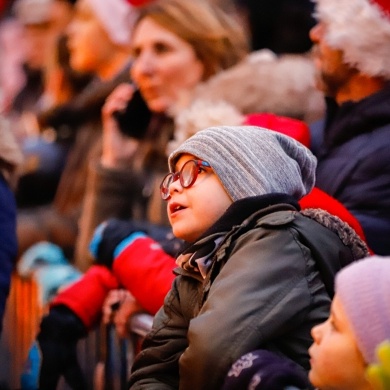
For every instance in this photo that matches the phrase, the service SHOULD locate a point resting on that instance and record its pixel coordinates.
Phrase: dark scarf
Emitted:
(198, 256)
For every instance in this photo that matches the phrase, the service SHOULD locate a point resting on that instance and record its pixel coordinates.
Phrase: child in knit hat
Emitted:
(252, 273)
(351, 350)
(359, 322)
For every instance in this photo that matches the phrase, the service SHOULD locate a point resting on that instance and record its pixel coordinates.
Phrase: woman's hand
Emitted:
(118, 307)
(118, 149)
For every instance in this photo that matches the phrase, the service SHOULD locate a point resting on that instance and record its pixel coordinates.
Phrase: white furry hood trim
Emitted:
(261, 83)
(361, 29)
(264, 82)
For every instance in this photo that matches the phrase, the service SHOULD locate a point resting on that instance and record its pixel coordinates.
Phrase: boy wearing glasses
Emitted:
(255, 273)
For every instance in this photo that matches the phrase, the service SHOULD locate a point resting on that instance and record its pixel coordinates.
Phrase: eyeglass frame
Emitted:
(164, 192)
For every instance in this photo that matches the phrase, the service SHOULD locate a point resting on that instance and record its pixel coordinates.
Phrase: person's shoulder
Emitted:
(316, 135)
(382, 130)
(276, 218)
(375, 141)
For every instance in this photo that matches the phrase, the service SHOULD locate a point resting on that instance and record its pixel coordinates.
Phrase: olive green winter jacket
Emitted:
(264, 289)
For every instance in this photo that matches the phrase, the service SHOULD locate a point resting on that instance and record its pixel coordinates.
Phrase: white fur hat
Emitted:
(361, 29)
(117, 17)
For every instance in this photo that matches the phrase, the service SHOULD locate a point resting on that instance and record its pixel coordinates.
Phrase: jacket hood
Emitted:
(347, 235)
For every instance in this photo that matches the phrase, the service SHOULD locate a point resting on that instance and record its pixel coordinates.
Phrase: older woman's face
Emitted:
(165, 66)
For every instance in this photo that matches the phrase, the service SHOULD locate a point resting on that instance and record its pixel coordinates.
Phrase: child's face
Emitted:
(191, 211)
(336, 362)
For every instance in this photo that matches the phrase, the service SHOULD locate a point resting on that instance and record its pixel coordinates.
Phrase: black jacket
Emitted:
(354, 163)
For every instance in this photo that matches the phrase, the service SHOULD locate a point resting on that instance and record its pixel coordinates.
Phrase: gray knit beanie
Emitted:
(252, 161)
(364, 291)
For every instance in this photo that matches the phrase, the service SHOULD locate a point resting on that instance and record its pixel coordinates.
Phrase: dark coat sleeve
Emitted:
(8, 242)
(362, 183)
(157, 365)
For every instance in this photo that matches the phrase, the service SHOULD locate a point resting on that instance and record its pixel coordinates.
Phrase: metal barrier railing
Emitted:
(20, 325)
(120, 353)
(101, 349)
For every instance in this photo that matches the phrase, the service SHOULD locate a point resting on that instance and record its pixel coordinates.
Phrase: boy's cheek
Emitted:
(314, 356)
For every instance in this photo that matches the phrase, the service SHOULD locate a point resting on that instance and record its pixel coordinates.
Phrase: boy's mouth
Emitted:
(174, 207)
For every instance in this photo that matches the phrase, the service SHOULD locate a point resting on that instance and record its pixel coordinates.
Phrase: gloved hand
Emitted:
(264, 370)
(113, 236)
(54, 353)
(379, 374)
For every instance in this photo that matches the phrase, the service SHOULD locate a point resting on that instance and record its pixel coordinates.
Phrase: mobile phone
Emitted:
(134, 119)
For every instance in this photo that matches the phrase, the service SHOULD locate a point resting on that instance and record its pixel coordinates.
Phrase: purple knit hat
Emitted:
(364, 290)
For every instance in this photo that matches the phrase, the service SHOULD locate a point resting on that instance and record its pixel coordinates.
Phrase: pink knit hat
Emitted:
(364, 290)
(361, 29)
(117, 17)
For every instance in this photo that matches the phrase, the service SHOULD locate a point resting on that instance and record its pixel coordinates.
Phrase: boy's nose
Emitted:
(175, 186)
(316, 333)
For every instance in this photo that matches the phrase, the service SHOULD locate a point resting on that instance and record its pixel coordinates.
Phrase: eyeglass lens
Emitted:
(187, 176)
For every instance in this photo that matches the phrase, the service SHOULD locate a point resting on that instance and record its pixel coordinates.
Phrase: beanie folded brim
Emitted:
(252, 161)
